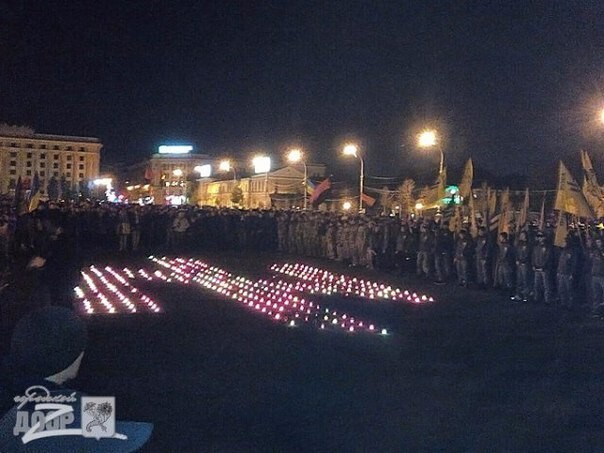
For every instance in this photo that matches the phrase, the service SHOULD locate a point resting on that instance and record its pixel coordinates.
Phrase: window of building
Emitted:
(29, 155)
(68, 174)
(13, 172)
(81, 175)
(55, 174)
(56, 156)
(81, 166)
(30, 145)
(28, 164)
(55, 165)
(43, 156)
(69, 157)
(42, 165)
(81, 158)
(69, 148)
(14, 145)
(28, 173)
(82, 149)
(13, 154)
(42, 173)
(13, 163)
(42, 146)
(56, 147)
(68, 166)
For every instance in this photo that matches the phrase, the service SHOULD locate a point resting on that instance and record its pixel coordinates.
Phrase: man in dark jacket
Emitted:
(596, 258)
(568, 266)
(463, 257)
(482, 255)
(543, 260)
(523, 268)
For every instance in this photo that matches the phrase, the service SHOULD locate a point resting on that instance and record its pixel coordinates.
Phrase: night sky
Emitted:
(516, 85)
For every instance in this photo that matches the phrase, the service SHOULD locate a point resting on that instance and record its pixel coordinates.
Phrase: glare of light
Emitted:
(262, 164)
(350, 150)
(346, 205)
(419, 206)
(102, 182)
(602, 116)
(204, 171)
(294, 155)
(178, 173)
(225, 165)
(427, 139)
(178, 149)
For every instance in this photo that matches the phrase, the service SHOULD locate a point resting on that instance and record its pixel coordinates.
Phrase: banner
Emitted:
(505, 211)
(324, 186)
(561, 230)
(569, 197)
(465, 186)
(592, 191)
(367, 200)
(524, 210)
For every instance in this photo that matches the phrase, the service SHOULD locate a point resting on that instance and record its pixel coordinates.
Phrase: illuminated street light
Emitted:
(353, 150)
(178, 173)
(204, 171)
(346, 205)
(295, 156)
(419, 206)
(429, 139)
(602, 116)
(225, 165)
(262, 164)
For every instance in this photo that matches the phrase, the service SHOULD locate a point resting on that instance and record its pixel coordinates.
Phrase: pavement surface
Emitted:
(470, 372)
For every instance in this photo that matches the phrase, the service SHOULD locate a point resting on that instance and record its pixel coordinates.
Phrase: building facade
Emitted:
(23, 153)
(282, 188)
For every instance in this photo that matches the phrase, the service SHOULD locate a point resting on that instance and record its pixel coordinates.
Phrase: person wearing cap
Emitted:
(542, 260)
(50, 364)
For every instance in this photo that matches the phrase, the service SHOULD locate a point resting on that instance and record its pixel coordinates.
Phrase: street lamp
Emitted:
(353, 150)
(428, 139)
(602, 116)
(178, 173)
(225, 166)
(295, 156)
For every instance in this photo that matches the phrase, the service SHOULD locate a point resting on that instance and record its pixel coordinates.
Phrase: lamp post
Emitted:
(353, 150)
(429, 139)
(225, 166)
(295, 156)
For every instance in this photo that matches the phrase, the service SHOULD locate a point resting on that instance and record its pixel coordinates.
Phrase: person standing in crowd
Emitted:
(425, 251)
(180, 226)
(443, 245)
(596, 261)
(135, 227)
(123, 229)
(568, 267)
(504, 268)
(463, 257)
(523, 268)
(482, 255)
(542, 260)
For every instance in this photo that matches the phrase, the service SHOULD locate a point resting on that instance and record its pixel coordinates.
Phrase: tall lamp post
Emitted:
(429, 139)
(225, 166)
(353, 150)
(296, 156)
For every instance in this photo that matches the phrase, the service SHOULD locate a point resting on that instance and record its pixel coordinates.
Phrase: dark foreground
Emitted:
(472, 372)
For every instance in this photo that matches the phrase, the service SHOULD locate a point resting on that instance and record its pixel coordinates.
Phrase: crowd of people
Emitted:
(524, 264)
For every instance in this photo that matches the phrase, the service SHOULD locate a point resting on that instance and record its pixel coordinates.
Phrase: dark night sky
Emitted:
(514, 84)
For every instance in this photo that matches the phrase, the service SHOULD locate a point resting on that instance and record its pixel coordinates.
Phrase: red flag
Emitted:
(148, 174)
(323, 187)
(369, 201)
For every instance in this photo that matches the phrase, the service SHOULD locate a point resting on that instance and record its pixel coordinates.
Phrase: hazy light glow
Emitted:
(204, 171)
(602, 116)
(346, 205)
(419, 206)
(175, 149)
(294, 156)
(262, 164)
(351, 150)
(178, 173)
(427, 139)
(225, 165)
(103, 182)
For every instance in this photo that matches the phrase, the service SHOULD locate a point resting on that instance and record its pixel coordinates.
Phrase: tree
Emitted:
(237, 195)
(406, 199)
(53, 188)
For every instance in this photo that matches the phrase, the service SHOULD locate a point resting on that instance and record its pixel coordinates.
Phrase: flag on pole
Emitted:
(505, 211)
(591, 189)
(542, 214)
(310, 187)
(324, 186)
(435, 193)
(369, 201)
(34, 194)
(473, 225)
(569, 197)
(465, 186)
(523, 217)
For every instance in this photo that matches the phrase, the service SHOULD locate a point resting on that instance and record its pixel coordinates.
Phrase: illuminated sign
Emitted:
(204, 171)
(262, 164)
(175, 149)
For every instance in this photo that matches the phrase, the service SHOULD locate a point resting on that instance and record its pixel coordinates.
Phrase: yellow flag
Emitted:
(465, 186)
(433, 195)
(523, 217)
(569, 197)
(591, 189)
(473, 225)
(505, 211)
